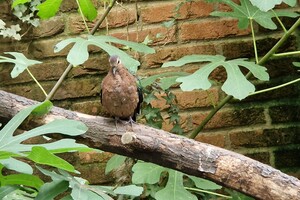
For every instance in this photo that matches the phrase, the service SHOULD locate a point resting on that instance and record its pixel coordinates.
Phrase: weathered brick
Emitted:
(164, 11)
(45, 48)
(265, 137)
(51, 27)
(191, 99)
(225, 118)
(263, 157)
(213, 139)
(285, 113)
(287, 158)
(118, 17)
(46, 71)
(158, 34)
(73, 88)
(174, 52)
(210, 29)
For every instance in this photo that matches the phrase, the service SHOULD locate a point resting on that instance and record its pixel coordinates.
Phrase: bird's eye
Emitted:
(118, 61)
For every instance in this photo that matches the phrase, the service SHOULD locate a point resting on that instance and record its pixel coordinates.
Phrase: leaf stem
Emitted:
(40, 86)
(207, 192)
(277, 55)
(275, 87)
(253, 39)
(264, 59)
(82, 16)
(70, 66)
(279, 21)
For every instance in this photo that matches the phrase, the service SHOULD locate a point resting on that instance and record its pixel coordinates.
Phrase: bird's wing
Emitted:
(141, 99)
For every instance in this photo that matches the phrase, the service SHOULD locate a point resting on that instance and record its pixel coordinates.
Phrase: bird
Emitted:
(120, 95)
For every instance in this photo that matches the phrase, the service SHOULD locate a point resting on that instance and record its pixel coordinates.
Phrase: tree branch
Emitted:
(189, 156)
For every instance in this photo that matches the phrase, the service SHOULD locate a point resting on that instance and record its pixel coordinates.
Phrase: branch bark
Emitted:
(157, 146)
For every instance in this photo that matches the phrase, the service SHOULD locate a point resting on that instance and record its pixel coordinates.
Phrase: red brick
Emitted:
(210, 29)
(167, 34)
(157, 12)
(73, 88)
(51, 27)
(287, 158)
(264, 137)
(195, 9)
(224, 118)
(263, 157)
(213, 139)
(284, 113)
(174, 52)
(165, 11)
(192, 99)
(118, 17)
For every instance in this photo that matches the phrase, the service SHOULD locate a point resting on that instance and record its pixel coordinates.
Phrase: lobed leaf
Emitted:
(246, 12)
(146, 173)
(79, 52)
(20, 61)
(18, 2)
(114, 162)
(204, 184)
(174, 189)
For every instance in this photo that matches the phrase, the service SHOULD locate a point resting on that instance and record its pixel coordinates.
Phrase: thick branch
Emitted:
(191, 157)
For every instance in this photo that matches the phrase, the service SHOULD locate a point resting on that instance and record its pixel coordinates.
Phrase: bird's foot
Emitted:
(131, 121)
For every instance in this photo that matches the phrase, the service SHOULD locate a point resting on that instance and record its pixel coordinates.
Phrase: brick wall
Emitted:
(265, 127)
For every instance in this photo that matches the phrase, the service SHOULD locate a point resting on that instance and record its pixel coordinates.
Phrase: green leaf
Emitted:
(88, 9)
(204, 184)
(79, 53)
(265, 5)
(167, 82)
(146, 173)
(131, 190)
(41, 155)
(246, 11)
(79, 192)
(20, 61)
(21, 179)
(296, 64)
(114, 163)
(174, 189)
(48, 8)
(43, 108)
(5, 190)
(18, 2)
(17, 165)
(52, 189)
(290, 2)
(270, 4)
(236, 83)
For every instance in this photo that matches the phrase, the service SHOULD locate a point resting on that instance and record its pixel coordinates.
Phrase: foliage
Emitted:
(247, 12)
(236, 84)
(79, 53)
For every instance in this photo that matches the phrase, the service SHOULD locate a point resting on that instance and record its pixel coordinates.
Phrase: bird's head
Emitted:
(115, 63)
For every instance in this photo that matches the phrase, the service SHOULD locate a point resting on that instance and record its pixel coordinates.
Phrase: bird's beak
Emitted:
(114, 69)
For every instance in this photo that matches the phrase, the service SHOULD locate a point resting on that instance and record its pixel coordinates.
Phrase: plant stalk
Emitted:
(70, 66)
(263, 60)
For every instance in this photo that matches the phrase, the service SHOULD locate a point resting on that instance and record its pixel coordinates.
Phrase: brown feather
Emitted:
(119, 93)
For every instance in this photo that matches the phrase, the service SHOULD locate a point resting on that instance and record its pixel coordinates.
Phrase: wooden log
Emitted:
(157, 146)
